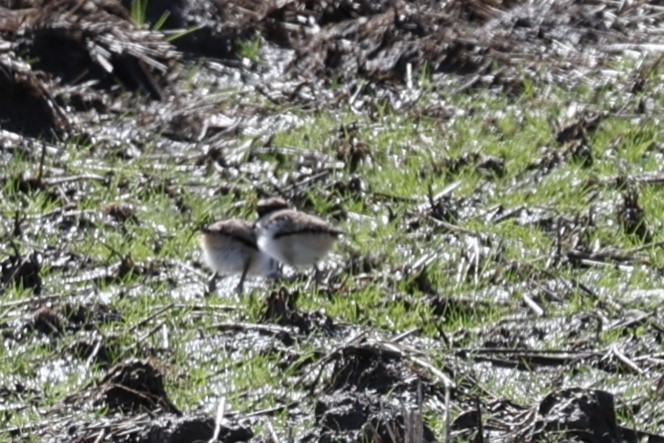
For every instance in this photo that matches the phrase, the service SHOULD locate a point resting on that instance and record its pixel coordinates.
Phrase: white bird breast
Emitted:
(303, 249)
(231, 260)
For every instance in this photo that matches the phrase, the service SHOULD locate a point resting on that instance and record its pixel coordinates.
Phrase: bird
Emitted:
(229, 248)
(294, 238)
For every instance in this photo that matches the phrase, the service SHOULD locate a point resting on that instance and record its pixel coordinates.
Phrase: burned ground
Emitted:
(495, 165)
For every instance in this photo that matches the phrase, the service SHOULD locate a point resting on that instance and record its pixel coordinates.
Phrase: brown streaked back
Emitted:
(234, 228)
(294, 222)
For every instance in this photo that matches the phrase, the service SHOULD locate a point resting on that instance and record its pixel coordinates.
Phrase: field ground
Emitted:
(496, 167)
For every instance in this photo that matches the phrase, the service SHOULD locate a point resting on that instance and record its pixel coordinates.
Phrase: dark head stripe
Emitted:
(315, 231)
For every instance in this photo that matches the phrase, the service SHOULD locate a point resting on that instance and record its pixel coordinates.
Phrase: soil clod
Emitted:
(632, 216)
(48, 322)
(579, 414)
(136, 386)
(22, 271)
(349, 417)
(193, 429)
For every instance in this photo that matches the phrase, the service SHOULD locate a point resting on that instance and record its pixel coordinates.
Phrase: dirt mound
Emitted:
(136, 386)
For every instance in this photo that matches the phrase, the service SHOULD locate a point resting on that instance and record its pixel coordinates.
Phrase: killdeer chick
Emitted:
(292, 237)
(229, 248)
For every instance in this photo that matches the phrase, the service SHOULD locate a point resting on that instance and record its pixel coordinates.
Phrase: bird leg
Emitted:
(317, 272)
(313, 280)
(240, 285)
(212, 284)
(275, 273)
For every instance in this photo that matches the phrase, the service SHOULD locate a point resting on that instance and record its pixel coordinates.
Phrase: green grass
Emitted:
(406, 157)
(138, 13)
